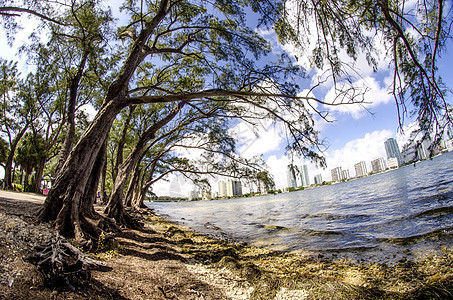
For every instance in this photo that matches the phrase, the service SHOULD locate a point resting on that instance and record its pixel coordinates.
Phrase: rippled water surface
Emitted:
(400, 212)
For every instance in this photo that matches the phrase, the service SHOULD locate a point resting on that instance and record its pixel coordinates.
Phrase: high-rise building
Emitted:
(392, 149)
(305, 180)
(392, 162)
(426, 149)
(230, 188)
(318, 179)
(345, 174)
(378, 165)
(222, 189)
(337, 174)
(409, 154)
(360, 169)
(291, 176)
(234, 188)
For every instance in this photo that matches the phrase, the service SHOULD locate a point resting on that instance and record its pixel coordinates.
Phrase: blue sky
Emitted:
(355, 135)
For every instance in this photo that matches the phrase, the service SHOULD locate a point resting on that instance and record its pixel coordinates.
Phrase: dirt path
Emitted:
(146, 264)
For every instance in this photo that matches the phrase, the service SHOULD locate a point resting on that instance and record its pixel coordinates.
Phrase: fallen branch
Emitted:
(62, 264)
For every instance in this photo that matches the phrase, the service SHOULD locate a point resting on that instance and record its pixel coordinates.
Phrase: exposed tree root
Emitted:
(62, 264)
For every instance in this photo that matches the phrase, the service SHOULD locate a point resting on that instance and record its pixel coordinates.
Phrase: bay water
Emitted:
(398, 214)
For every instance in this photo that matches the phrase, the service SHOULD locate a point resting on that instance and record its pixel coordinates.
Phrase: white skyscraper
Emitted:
(378, 165)
(360, 169)
(291, 176)
(304, 178)
(318, 179)
(392, 149)
(230, 188)
(337, 174)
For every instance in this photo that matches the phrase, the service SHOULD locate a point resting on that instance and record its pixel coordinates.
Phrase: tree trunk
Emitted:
(26, 179)
(65, 202)
(122, 142)
(103, 195)
(38, 175)
(115, 207)
(133, 186)
(93, 184)
(9, 173)
(139, 199)
(70, 117)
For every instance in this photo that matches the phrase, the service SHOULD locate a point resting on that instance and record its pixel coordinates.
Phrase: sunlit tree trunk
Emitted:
(9, 172)
(70, 116)
(73, 189)
(115, 207)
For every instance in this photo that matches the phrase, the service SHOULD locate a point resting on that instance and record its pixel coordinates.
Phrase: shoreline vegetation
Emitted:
(164, 260)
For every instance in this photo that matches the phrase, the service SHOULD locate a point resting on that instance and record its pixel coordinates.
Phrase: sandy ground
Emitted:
(166, 261)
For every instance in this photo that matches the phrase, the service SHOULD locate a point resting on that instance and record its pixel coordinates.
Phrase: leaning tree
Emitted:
(204, 51)
(16, 112)
(196, 145)
(181, 38)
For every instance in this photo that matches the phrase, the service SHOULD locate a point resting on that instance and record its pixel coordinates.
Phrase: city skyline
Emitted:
(414, 153)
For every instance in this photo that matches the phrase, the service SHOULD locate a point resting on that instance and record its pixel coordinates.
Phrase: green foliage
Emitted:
(412, 35)
(4, 151)
(18, 187)
(30, 152)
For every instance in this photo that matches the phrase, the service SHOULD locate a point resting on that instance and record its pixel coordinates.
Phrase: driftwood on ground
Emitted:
(62, 264)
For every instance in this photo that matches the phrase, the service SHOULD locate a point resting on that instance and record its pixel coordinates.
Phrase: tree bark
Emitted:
(70, 117)
(74, 183)
(115, 207)
(139, 199)
(122, 142)
(133, 186)
(38, 175)
(102, 195)
(9, 162)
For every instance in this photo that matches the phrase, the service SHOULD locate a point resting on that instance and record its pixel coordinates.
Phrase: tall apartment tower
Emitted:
(222, 189)
(230, 188)
(304, 176)
(345, 174)
(337, 174)
(392, 149)
(378, 165)
(360, 169)
(291, 176)
(318, 179)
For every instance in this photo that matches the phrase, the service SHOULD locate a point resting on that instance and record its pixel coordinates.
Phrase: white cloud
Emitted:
(373, 95)
(277, 167)
(173, 186)
(262, 139)
(89, 110)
